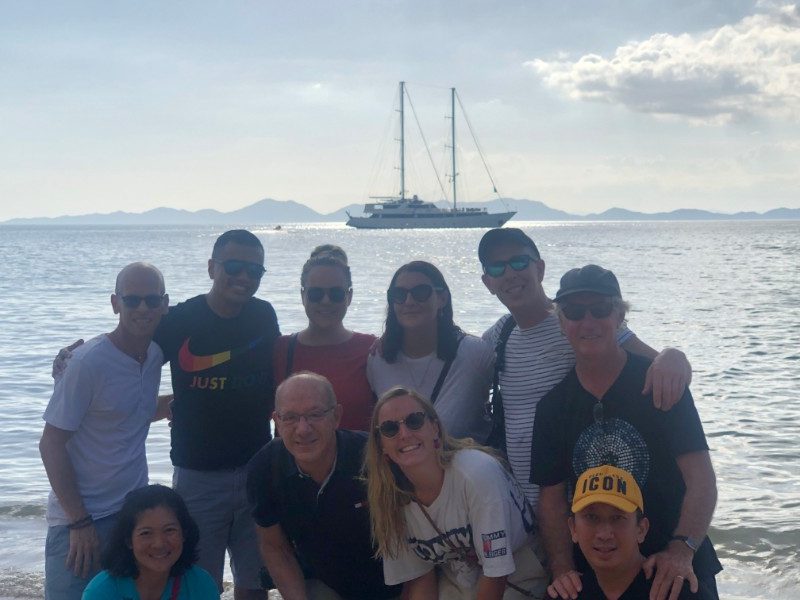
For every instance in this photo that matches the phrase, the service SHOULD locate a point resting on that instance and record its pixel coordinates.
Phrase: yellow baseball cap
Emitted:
(608, 485)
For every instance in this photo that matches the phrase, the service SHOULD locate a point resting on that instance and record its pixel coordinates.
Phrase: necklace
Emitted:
(415, 384)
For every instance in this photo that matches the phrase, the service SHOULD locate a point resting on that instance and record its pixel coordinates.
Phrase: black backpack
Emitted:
(497, 436)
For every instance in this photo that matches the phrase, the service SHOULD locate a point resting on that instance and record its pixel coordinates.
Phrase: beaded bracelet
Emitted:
(81, 523)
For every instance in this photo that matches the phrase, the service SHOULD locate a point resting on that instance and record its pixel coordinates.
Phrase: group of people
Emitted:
(425, 463)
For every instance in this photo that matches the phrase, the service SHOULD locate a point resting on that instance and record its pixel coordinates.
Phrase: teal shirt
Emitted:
(195, 585)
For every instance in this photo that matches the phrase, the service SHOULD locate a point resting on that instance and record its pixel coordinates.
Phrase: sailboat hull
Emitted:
(450, 220)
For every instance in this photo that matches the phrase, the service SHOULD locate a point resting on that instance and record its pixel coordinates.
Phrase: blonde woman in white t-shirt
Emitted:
(449, 520)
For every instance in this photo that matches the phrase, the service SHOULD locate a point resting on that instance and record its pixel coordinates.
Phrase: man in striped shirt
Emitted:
(537, 354)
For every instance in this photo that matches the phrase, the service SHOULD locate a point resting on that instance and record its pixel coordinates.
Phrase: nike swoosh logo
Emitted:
(192, 363)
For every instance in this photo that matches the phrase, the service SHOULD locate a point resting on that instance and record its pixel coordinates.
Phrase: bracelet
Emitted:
(81, 523)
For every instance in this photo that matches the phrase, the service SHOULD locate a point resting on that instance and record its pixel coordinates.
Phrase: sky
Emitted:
(583, 105)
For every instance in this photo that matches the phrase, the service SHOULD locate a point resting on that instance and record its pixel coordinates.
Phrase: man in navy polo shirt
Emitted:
(310, 501)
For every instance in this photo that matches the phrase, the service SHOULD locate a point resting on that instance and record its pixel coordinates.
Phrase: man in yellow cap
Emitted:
(608, 524)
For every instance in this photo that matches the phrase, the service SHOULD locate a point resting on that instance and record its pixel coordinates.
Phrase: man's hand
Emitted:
(62, 358)
(566, 585)
(667, 378)
(84, 551)
(164, 408)
(673, 567)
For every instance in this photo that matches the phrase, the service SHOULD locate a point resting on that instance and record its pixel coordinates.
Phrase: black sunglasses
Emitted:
(517, 263)
(151, 300)
(234, 266)
(413, 421)
(420, 293)
(599, 310)
(335, 294)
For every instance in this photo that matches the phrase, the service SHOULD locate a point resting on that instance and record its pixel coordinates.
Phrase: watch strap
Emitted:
(692, 543)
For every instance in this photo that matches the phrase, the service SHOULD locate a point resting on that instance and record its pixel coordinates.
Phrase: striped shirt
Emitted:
(536, 359)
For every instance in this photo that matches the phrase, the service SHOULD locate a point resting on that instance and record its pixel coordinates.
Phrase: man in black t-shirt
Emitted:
(596, 416)
(311, 502)
(219, 346)
(608, 525)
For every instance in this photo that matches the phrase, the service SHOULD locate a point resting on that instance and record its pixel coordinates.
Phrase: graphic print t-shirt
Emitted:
(570, 437)
(483, 518)
(222, 381)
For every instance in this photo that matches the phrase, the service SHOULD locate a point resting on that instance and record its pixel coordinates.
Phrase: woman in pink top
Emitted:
(326, 347)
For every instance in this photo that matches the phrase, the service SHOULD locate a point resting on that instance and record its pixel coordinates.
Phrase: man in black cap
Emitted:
(597, 416)
(534, 355)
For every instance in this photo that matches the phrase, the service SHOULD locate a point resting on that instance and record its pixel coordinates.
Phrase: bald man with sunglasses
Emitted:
(96, 424)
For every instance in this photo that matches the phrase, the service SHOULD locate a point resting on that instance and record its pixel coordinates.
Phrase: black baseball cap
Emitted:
(591, 278)
(504, 235)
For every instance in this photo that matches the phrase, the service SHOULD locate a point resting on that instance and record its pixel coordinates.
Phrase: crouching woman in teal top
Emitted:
(151, 552)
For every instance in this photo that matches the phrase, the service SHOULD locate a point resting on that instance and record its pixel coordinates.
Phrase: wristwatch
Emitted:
(693, 543)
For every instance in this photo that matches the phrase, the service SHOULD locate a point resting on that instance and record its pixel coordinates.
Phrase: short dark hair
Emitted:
(236, 236)
(447, 332)
(118, 559)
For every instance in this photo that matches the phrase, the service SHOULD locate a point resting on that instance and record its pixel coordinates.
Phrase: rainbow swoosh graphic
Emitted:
(192, 363)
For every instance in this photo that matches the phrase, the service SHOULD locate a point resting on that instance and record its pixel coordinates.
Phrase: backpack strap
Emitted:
(443, 373)
(497, 437)
(290, 354)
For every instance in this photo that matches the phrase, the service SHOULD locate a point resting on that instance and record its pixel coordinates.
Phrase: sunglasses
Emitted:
(234, 266)
(599, 310)
(420, 293)
(151, 300)
(517, 263)
(413, 422)
(335, 294)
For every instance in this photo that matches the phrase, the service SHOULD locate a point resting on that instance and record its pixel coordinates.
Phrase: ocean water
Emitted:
(726, 293)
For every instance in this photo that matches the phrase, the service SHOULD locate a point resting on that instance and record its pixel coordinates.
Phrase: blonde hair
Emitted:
(388, 489)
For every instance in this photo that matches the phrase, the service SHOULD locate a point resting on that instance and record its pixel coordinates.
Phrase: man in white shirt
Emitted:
(96, 424)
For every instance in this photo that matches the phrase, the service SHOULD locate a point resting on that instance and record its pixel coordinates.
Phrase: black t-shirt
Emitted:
(631, 434)
(329, 529)
(639, 589)
(222, 381)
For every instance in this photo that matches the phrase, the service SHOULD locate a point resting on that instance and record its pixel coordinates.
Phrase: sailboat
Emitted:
(401, 212)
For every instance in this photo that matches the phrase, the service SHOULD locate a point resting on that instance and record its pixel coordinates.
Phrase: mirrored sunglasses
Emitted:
(413, 421)
(599, 310)
(420, 293)
(151, 300)
(234, 266)
(335, 294)
(517, 263)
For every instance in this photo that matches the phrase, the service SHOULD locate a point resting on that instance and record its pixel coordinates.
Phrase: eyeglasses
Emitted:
(599, 310)
(517, 263)
(420, 293)
(315, 416)
(234, 266)
(151, 300)
(413, 421)
(316, 294)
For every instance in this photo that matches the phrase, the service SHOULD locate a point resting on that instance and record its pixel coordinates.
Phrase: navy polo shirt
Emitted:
(329, 527)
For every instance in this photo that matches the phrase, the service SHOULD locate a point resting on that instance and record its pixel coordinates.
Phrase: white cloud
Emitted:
(734, 73)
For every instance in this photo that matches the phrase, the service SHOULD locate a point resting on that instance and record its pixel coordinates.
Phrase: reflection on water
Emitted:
(726, 293)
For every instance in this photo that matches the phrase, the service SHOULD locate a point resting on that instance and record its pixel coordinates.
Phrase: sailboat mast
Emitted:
(402, 143)
(453, 139)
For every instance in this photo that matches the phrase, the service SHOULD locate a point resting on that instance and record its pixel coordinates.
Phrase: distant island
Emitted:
(275, 212)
